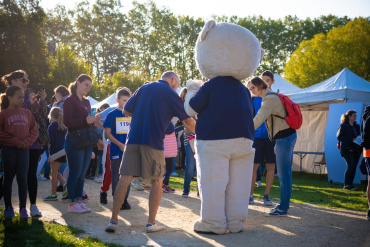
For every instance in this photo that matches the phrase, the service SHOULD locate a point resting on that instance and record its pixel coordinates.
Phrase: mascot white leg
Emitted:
(224, 176)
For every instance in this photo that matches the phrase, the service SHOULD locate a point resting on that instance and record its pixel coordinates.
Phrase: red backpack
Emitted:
(293, 112)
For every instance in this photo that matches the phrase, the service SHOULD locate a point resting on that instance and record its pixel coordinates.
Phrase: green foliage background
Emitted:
(120, 49)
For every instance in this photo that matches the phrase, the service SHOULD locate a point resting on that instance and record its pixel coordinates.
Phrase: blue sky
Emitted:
(241, 8)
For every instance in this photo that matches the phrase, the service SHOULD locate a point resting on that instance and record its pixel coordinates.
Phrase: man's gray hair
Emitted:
(169, 75)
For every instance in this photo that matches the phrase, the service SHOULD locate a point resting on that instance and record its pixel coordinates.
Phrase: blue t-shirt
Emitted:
(225, 110)
(153, 106)
(260, 132)
(114, 119)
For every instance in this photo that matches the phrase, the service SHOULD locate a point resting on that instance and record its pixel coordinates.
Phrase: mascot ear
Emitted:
(207, 27)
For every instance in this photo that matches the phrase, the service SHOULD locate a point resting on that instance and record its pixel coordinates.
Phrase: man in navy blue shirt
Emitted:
(151, 107)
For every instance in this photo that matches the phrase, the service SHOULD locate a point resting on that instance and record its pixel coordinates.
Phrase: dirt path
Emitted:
(307, 225)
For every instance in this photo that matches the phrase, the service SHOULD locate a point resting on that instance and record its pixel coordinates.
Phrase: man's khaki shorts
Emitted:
(143, 161)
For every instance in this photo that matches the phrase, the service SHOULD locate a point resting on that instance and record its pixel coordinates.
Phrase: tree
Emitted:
(22, 45)
(65, 67)
(325, 55)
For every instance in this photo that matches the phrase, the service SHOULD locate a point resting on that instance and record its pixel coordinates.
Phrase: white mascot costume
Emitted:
(225, 54)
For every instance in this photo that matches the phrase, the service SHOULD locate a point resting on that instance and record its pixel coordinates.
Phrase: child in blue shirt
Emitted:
(116, 128)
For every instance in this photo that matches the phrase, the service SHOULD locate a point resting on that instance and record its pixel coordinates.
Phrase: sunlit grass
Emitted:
(307, 189)
(18, 232)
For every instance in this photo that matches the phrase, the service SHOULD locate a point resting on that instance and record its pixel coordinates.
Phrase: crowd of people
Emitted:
(139, 139)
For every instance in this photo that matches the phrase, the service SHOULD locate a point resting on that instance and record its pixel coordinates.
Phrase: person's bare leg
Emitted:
(269, 177)
(54, 176)
(254, 177)
(154, 199)
(120, 194)
(61, 179)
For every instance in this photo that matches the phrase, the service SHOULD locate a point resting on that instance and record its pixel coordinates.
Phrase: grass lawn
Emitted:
(17, 232)
(307, 188)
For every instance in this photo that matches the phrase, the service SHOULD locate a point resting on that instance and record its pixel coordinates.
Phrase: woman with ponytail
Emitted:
(18, 130)
(57, 132)
(38, 106)
(76, 112)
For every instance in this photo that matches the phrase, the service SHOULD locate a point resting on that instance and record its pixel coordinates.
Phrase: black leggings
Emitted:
(169, 167)
(15, 163)
(31, 176)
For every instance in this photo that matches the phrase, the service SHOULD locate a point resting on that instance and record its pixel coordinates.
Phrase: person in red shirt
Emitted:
(18, 131)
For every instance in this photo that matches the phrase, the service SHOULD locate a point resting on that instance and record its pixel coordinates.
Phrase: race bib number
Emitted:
(123, 125)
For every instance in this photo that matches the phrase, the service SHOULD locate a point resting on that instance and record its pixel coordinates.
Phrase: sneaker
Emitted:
(153, 227)
(165, 189)
(147, 185)
(103, 197)
(65, 197)
(259, 184)
(136, 185)
(185, 194)
(9, 212)
(125, 206)
(267, 200)
(349, 187)
(60, 188)
(111, 227)
(99, 179)
(85, 198)
(23, 214)
(174, 174)
(368, 215)
(41, 178)
(276, 207)
(251, 199)
(47, 177)
(170, 189)
(51, 197)
(35, 212)
(278, 212)
(75, 208)
(83, 206)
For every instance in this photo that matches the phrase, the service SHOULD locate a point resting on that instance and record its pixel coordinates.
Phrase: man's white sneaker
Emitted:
(111, 227)
(153, 227)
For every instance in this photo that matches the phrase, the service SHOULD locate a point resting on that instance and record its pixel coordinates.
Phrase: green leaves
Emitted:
(326, 54)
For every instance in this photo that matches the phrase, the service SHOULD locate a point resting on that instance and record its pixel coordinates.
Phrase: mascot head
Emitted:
(227, 50)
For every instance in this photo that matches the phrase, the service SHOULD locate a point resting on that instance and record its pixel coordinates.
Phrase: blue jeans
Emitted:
(189, 168)
(78, 162)
(284, 158)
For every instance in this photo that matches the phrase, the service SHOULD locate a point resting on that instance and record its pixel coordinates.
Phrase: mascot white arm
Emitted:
(192, 87)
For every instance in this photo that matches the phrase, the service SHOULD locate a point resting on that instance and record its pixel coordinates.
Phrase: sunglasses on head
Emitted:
(24, 80)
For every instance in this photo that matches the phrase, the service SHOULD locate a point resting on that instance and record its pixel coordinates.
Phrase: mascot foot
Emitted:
(206, 228)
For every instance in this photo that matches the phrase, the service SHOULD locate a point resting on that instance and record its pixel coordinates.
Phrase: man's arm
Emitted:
(124, 112)
(189, 123)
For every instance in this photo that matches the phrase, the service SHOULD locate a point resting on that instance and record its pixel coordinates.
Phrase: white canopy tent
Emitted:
(111, 101)
(92, 100)
(314, 102)
(283, 86)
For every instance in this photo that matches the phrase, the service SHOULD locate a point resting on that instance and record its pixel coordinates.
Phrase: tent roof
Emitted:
(111, 101)
(284, 86)
(92, 100)
(343, 86)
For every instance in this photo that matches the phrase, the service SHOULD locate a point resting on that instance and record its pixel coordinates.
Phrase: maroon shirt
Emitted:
(75, 112)
(17, 125)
